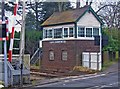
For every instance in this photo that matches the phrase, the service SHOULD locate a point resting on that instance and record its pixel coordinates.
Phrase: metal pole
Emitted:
(5, 50)
(22, 44)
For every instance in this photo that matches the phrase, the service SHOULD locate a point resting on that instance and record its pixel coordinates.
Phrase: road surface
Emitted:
(97, 81)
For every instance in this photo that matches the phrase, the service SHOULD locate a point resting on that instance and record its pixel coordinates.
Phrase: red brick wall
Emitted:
(74, 49)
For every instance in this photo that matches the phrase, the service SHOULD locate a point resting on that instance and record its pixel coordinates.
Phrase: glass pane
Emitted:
(45, 33)
(95, 31)
(81, 32)
(64, 55)
(65, 32)
(51, 55)
(50, 34)
(58, 33)
(88, 32)
(71, 32)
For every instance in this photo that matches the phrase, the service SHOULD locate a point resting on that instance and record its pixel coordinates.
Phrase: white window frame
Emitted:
(84, 32)
(52, 33)
(73, 32)
(50, 55)
(66, 56)
(44, 33)
(98, 31)
(67, 32)
(61, 34)
(87, 38)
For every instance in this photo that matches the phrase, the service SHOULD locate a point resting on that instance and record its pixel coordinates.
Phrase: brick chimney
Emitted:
(87, 3)
(78, 4)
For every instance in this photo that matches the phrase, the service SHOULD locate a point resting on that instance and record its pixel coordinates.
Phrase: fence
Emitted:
(14, 73)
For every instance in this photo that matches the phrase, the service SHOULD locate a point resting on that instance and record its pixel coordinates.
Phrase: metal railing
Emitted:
(36, 56)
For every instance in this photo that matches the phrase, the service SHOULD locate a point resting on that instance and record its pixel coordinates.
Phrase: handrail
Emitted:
(10, 66)
(36, 56)
(35, 53)
(11, 75)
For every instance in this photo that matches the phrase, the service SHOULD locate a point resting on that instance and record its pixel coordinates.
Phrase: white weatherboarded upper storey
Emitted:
(88, 20)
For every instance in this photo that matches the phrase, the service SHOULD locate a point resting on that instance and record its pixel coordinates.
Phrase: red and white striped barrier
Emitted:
(13, 32)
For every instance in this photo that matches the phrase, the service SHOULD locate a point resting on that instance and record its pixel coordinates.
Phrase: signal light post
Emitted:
(5, 47)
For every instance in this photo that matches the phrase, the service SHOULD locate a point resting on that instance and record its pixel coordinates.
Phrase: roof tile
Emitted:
(65, 16)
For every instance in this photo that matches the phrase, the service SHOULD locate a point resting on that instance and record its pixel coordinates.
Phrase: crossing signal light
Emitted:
(2, 30)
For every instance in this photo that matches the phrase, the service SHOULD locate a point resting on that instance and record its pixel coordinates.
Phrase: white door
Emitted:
(91, 60)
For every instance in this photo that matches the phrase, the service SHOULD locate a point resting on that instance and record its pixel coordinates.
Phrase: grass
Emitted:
(107, 64)
(35, 67)
(83, 69)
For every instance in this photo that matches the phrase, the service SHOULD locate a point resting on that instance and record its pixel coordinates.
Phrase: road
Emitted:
(97, 81)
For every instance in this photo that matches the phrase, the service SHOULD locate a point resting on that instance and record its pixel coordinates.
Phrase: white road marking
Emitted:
(79, 78)
(89, 77)
(67, 81)
(64, 84)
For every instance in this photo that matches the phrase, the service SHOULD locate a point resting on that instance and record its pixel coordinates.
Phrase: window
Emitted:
(71, 32)
(95, 31)
(45, 33)
(48, 33)
(88, 32)
(81, 32)
(65, 32)
(51, 55)
(64, 55)
(58, 33)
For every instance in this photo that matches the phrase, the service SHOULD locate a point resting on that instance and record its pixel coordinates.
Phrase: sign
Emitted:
(57, 42)
(97, 40)
(2, 30)
(104, 40)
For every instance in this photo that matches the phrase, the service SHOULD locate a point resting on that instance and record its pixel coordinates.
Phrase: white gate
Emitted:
(91, 60)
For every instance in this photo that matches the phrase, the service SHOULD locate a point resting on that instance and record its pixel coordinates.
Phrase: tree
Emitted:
(37, 12)
(32, 40)
(48, 8)
(42, 10)
(110, 13)
(30, 21)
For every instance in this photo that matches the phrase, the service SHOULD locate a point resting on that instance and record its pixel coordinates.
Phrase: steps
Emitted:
(36, 56)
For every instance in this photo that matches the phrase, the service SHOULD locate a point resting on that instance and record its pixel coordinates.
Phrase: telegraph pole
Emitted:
(5, 49)
(22, 44)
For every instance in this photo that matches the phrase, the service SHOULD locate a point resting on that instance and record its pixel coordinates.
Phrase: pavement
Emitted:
(111, 69)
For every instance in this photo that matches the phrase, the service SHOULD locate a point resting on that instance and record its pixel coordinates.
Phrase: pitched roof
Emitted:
(68, 16)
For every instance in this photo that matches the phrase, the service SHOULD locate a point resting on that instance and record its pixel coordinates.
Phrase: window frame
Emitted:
(98, 31)
(91, 33)
(77, 32)
(55, 37)
(64, 57)
(85, 37)
(64, 32)
(73, 32)
(51, 59)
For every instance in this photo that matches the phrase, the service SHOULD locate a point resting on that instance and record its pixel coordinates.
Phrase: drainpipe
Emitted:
(101, 44)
